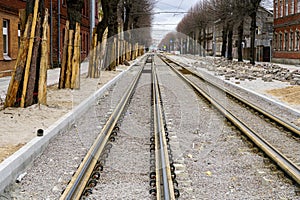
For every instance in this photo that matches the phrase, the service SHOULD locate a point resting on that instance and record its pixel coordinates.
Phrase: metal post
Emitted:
(92, 19)
(58, 33)
(51, 34)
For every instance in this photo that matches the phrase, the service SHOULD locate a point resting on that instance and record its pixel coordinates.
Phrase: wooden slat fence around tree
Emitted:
(29, 56)
(25, 80)
(70, 69)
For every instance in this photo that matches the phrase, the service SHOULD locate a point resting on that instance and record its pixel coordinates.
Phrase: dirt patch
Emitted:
(7, 151)
(289, 94)
(19, 125)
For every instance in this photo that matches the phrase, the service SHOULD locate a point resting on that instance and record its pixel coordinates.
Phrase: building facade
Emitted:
(10, 31)
(286, 39)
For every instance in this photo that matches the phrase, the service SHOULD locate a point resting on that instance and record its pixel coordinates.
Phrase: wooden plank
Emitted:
(64, 58)
(99, 59)
(69, 64)
(128, 51)
(124, 51)
(28, 61)
(92, 56)
(17, 74)
(76, 59)
(29, 98)
(42, 89)
(112, 65)
(95, 71)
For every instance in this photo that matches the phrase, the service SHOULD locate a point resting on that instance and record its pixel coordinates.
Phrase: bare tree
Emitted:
(253, 7)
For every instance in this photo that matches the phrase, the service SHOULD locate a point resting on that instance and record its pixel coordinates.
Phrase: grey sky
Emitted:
(166, 22)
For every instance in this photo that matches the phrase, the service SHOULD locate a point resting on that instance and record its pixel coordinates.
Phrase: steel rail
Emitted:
(291, 127)
(282, 161)
(162, 164)
(76, 186)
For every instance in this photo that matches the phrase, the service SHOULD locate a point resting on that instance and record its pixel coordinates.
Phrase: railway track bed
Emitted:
(212, 158)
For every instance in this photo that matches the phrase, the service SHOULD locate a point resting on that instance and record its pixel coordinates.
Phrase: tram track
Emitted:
(288, 161)
(163, 178)
(211, 157)
(87, 174)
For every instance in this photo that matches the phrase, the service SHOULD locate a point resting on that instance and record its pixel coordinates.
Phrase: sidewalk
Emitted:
(52, 78)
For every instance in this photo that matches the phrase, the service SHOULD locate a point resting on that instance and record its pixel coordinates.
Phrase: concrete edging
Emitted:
(14, 165)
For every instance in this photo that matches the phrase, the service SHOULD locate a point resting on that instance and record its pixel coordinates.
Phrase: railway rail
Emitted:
(163, 178)
(285, 157)
(88, 172)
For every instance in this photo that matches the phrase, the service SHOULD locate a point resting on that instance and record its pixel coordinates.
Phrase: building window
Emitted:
(286, 8)
(285, 41)
(19, 35)
(275, 10)
(5, 37)
(291, 41)
(280, 42)
(281, 8)
(81, 49)
(87, 42)
(275, 41)
(297, 41)
(292, 7)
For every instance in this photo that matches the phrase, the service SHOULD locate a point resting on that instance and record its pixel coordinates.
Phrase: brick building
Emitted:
(10, 31)
(286, 39)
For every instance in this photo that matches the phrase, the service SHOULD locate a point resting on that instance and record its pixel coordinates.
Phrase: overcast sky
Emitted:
(166, 22)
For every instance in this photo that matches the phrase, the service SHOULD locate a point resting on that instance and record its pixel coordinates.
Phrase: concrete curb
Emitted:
(14, 165)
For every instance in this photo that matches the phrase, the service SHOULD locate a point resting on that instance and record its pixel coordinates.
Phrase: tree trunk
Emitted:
(224, 41)
(200, 43)
(204, 42)
(252, 35)
(230, 34)
(102, 25)
(112, 31)
(240, 40)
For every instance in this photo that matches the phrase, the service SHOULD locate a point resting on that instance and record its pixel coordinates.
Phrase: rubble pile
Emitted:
(245, 71)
